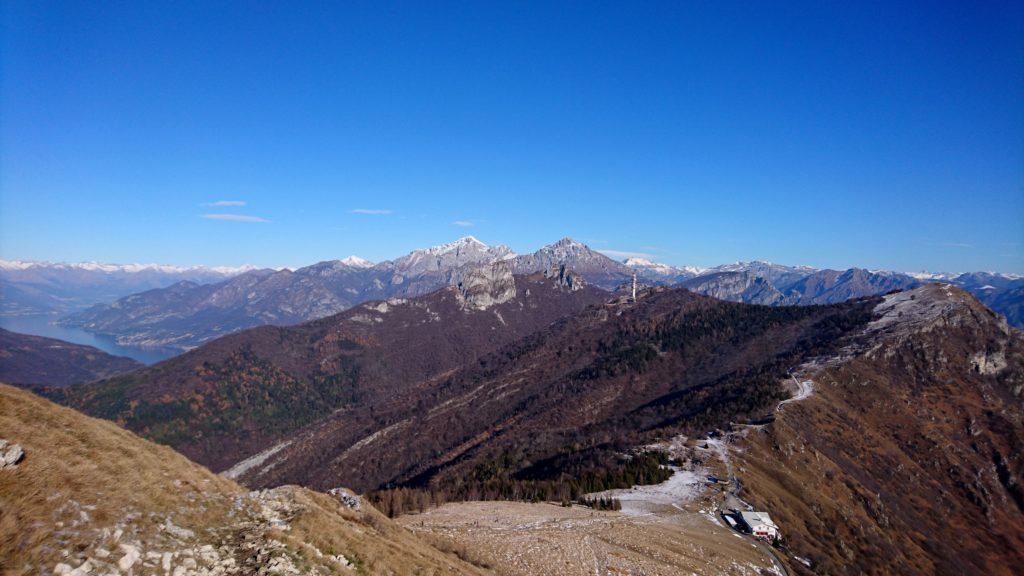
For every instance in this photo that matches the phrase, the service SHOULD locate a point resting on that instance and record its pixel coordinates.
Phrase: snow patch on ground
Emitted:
(251, 462)
(682, 487)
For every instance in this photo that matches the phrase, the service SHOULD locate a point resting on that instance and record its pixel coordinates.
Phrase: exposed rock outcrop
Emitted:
(565, 277)
(481, 287)
(10, 454)
(347, 497)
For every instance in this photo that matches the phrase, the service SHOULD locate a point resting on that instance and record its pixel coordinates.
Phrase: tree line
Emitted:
(552, 481)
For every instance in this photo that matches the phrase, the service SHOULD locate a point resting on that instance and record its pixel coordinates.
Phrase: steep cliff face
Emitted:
(909, 457)
(565, 277)
(482, 287)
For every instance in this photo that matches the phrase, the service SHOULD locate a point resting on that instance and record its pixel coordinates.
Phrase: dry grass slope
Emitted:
(90, 492)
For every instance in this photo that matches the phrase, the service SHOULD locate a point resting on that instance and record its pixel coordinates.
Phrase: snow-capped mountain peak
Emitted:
(122, 268)
(649, 265)
(356, 262)
(640, 262)
(460, 244)
(566, 245)
(926, 276)
(657, 270)
(15, 264)
(465, 250)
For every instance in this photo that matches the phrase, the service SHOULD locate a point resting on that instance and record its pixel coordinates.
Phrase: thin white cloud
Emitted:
(626, 254)
(944, 244)
(234, 217)
(222, 203)
(464, 223)
(371, 211)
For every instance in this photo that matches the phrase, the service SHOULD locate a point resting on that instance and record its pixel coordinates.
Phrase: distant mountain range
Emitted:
(774, 284)
(188, 314)
(187, 307)
(29, 288)
(762, 283)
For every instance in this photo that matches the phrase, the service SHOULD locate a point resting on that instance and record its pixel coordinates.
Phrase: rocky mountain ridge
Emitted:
(186, 315)
(907, 457)
(616, 374)
(594, 267)
(772, 284)
(659, 273)
(192, 313)
(239, 394)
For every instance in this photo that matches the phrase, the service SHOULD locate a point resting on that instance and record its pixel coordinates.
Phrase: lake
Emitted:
(45, 326)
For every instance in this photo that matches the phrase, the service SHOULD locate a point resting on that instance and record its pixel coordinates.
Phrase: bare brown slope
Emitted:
(609, 378)
(89, 492)
(29, 360)
(239, 394)
(909, 457)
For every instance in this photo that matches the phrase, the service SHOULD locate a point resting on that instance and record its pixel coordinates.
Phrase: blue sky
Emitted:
(884, 135)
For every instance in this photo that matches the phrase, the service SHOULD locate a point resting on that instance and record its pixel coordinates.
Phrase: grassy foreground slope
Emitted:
(93, 497)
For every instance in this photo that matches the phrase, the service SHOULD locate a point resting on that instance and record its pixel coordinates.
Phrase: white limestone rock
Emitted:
(482, 287)
(10, 454)
(131, 556)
